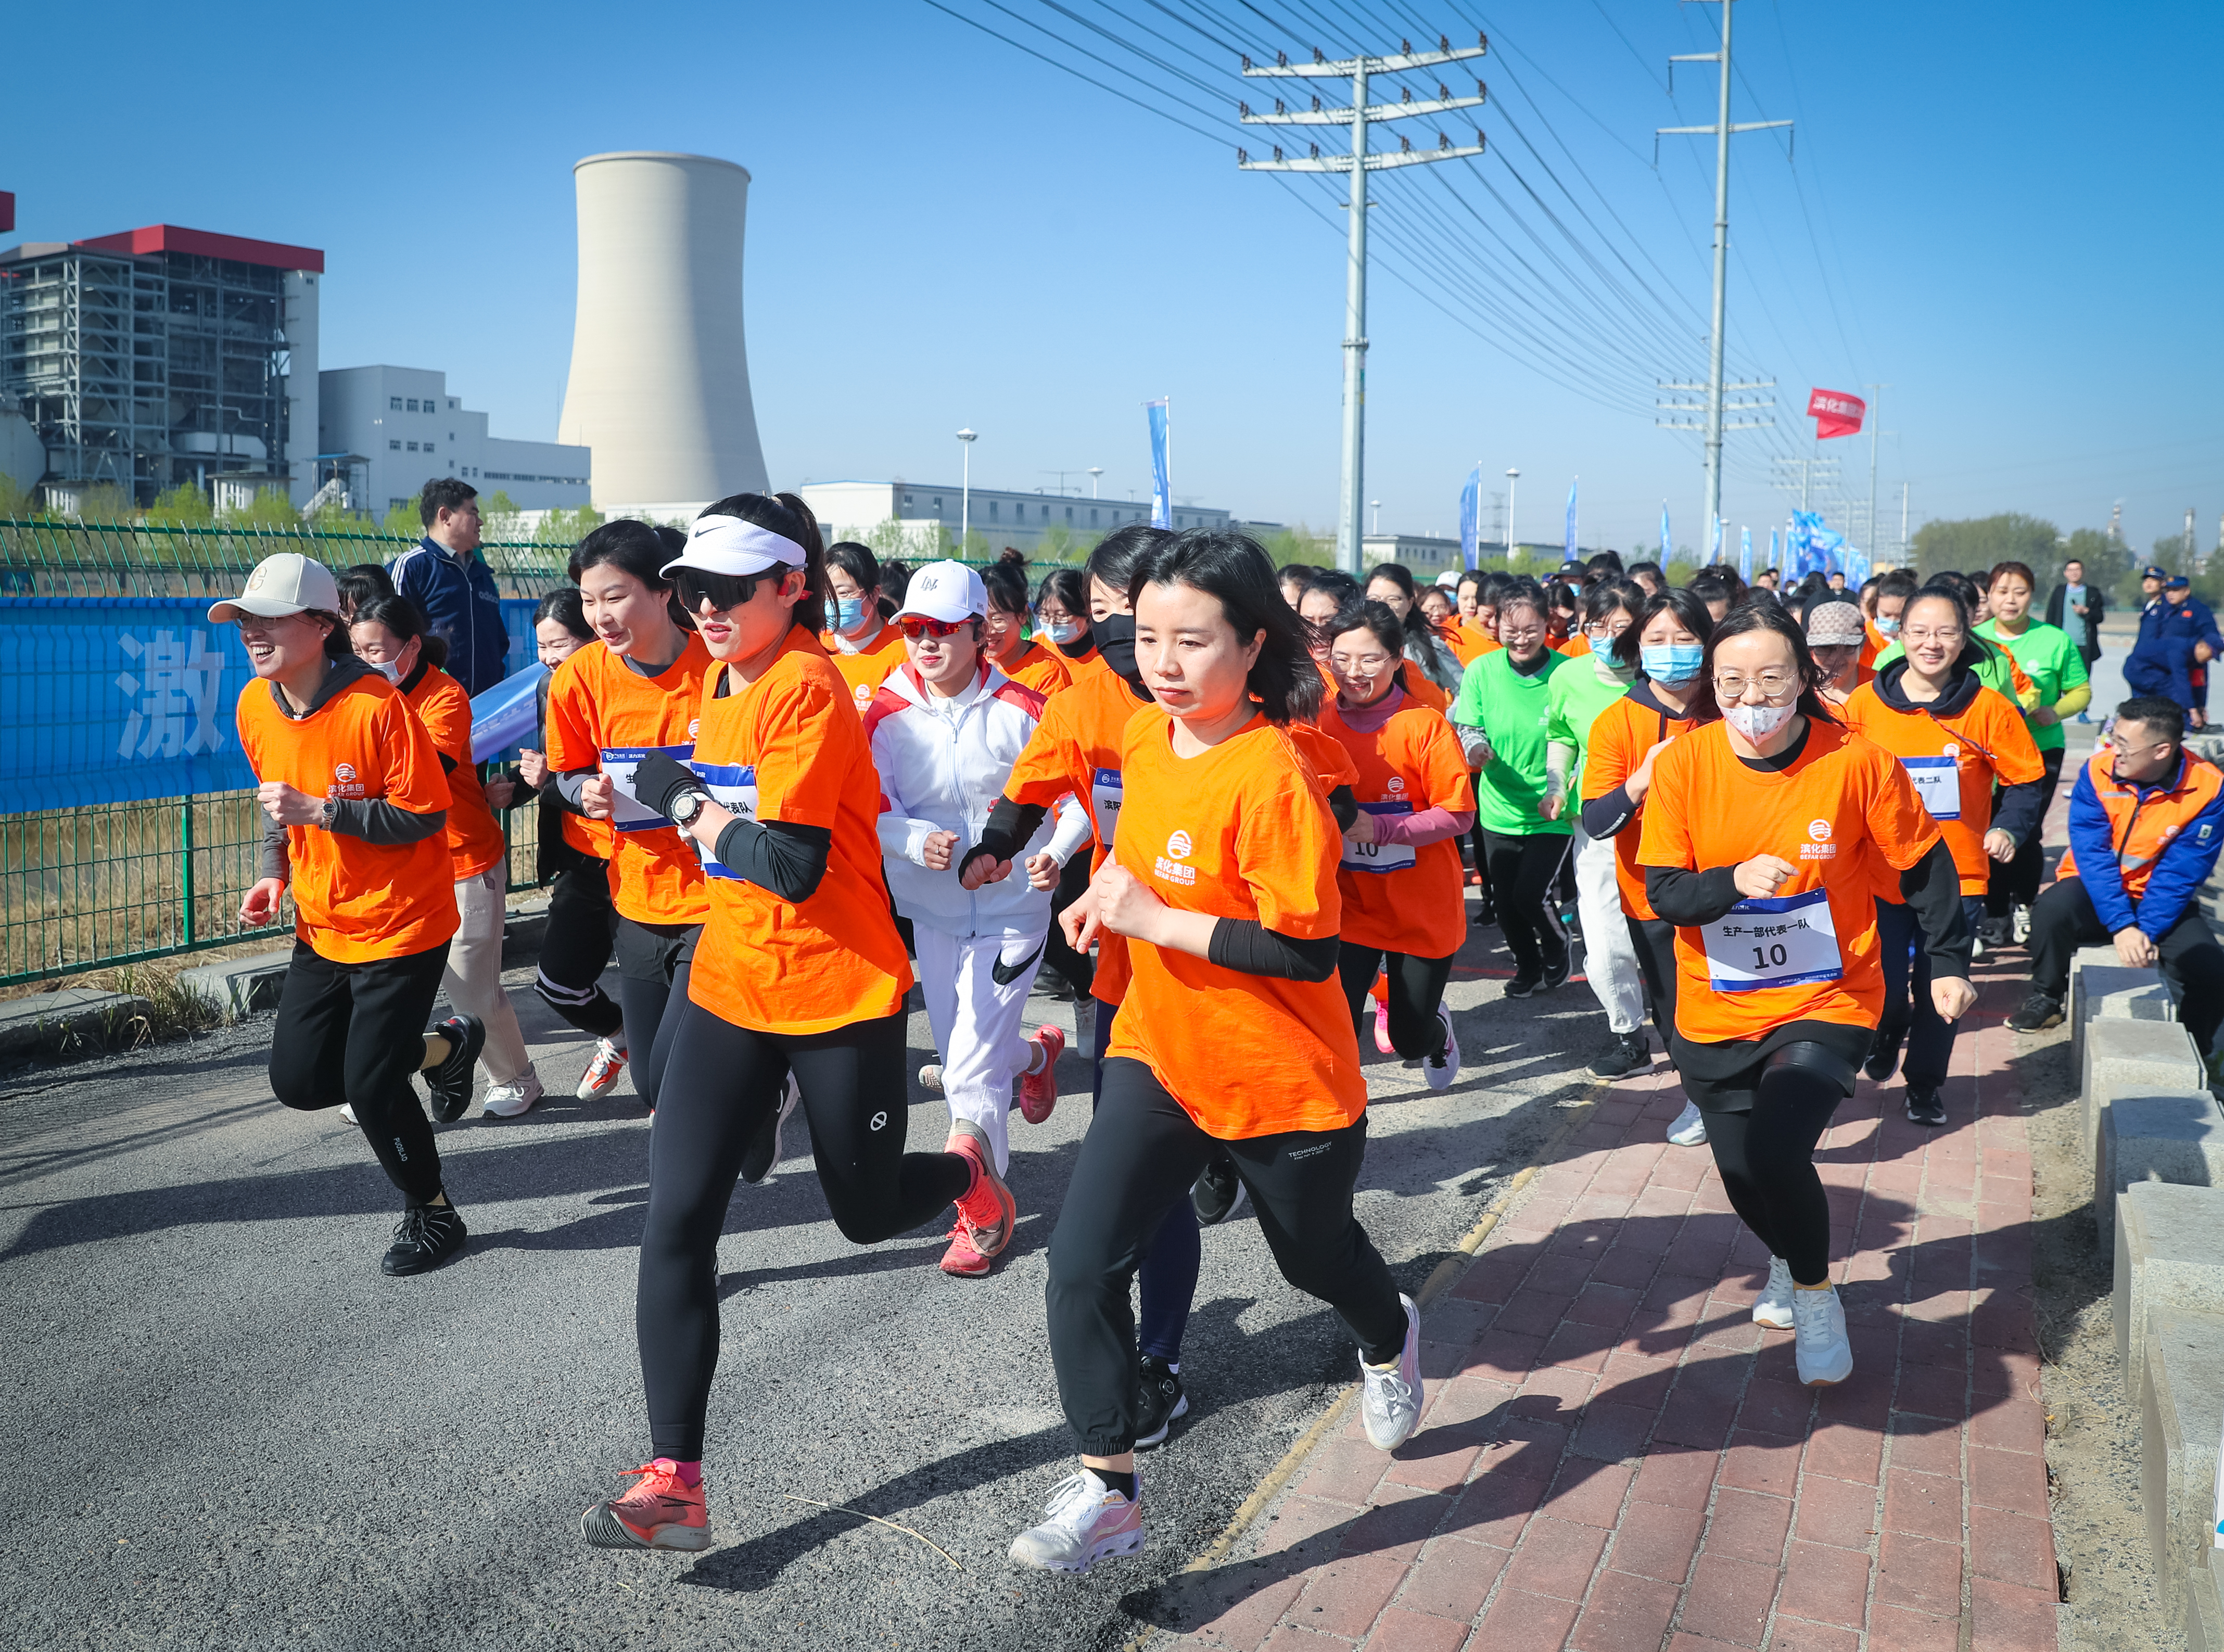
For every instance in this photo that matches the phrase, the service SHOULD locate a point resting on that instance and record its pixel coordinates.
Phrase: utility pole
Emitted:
(1512, 477)
(1721, 131)
(965, 497)
(1358, 163)
(1903, 525)
(1095, 474)
(1875, 431)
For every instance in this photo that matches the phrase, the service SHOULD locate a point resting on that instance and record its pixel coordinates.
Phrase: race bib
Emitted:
(1379, 856)
(732, 786)
(1938, 783)
(629, 812)
(1104, 798)
(1786, 941)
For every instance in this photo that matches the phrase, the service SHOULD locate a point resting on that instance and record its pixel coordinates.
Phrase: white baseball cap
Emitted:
(728, 545)
(287, 583)
(945, 591)
(1449, 580)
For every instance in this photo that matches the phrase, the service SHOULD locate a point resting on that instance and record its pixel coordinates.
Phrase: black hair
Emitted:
(1749, 616)
(1899, 582)
(783, 513)
(2021, 570)
(895, 581)
(446, 494)
(1518, 592)
(1338, 584)
(2163, 716)
(1298, 571)
(1963, 588)
(401, 616)
(1475, 577)
(1652, 568)
(564, 607)
(1071, 587)
(1688, 608)
(358, 584)
(1496, 585)
(1609, 594)
(1370, 616)
(859, 564)
(1123, 551)
(1717, 582)
(1423, 646)
(1005, 580)
(639, 550)
(1232, 568)
(1604, 562)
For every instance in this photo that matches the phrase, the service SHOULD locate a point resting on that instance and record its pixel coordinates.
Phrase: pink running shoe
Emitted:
(1039, 1089)
(961, 1259)
(1382, 1029)
(662, 1511)
(987, 1210)
(1088, 1521)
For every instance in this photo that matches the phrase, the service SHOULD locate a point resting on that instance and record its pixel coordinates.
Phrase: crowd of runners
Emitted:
(1246, 816)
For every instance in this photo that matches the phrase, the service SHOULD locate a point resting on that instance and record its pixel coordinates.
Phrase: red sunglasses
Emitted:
(915, 629)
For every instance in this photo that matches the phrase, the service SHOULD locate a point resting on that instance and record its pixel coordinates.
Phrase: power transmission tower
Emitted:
(1809, 470)
(1721, 131)
(1358, 115)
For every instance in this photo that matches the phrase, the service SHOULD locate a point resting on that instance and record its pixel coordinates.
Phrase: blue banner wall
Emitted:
(113, 700)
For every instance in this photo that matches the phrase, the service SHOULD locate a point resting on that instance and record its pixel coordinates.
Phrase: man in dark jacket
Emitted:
(2078, 608)
(453, 588)
(2177, 638)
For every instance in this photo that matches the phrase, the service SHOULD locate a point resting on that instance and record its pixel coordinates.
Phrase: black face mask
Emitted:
(1116, 644)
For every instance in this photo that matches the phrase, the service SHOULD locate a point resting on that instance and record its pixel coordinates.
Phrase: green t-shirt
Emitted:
(1993, 673)
(2050, 660)
(1514, 712)
(1578, 695)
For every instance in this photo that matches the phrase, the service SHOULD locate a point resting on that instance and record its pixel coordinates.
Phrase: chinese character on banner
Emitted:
(175, 695)
(1835, 414)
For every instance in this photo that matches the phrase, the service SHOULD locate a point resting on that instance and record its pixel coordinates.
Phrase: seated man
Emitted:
(2146, 823)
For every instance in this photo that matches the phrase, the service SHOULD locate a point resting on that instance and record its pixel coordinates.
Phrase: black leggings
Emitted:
(1655, 942)
(576, 948)
(1141, 1154)
(652, 968)
(1166, 1284)
(1417, 987)
(1522, 870)
(355, 1033)
(2017, 881)
(726, 1081)
(1078, 970)
(1767, 1158)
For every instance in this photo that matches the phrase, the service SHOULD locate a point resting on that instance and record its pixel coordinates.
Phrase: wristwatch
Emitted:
(685, 807)
(329, 812)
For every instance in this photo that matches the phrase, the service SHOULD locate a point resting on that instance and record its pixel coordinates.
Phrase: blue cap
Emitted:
(2175, 581)
(2153, 571)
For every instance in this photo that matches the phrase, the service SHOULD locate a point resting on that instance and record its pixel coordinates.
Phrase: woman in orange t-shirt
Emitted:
(351, 787)
(1004, 634)
(797, 989)
(1765, 831)
(859, 639)
(1233, 1034)
(1062, 620)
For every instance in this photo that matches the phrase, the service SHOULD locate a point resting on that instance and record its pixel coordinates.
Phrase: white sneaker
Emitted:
(508, 1100)
(1976, 947)
(1772, 1308)
(1441, 1069)
(347, 1111)
(602, 1071)
(1088, 1522)
(763, 1154)
(1825, 1354)
(1690, 1129)
(930, 1077)
(2019, 923)
(1390, 1399)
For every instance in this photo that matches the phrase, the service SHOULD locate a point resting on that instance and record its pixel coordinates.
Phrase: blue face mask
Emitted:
(1672, 663)
(1062, 634)
(848, 612)
(1887, 627)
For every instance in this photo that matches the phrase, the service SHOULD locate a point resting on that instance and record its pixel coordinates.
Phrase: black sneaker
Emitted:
(1163, 1402)
(764, 1152)
(2039, 1012)
(1486, 916)
(1884, 1053)
(1525, 984)
(1925, 1107)
(429, 1237)
(451, 1081)
(1218, 1193)
(1556, 975)
(1629, 1052)
(1996, 931)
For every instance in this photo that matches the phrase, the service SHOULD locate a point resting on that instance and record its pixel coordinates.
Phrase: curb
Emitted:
(48, 1020)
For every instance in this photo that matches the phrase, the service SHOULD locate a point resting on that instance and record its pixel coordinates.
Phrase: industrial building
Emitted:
(163, 355)
(854, 510)
(384, 432)
(1424, 555)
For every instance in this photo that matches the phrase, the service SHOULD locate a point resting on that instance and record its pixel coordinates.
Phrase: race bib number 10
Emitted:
(1379, 856)
(1786, 941)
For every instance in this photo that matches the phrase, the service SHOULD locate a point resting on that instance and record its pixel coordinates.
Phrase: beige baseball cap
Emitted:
(285, 583)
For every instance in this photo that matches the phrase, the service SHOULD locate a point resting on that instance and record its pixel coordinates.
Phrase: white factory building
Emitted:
(854, 510)
(388, 431)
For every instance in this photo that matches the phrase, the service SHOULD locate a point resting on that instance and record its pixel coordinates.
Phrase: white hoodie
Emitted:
(944, 764)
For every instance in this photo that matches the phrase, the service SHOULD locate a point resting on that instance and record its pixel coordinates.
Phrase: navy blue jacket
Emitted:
(2175, 875)
(461, 604)
(2161, 662)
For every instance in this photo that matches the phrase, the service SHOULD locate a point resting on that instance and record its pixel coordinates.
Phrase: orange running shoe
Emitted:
(1039, 1089)
(987, 1210)
(961, 1259)
(659, 1512)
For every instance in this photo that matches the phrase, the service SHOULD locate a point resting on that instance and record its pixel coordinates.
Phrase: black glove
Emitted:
(659, 783)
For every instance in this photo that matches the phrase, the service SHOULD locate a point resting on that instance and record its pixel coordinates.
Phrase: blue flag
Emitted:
(1745, 555)
(1470, 497)
(1715, 542)
(1667, 548)
(1774, 556)
(1571, 555)
(1162, 439)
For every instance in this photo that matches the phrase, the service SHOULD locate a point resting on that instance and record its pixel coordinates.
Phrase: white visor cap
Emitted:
(728, 545)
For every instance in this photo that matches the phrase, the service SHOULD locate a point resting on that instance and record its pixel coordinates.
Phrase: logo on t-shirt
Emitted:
(1818, 830)
(1951, 751)
(1179, 846)
(693, 724)
(1171, 870)
(865, 696)
(1396, 782)
(344, 783)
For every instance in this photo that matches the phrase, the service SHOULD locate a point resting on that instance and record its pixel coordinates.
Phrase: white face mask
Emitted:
(389, 669)
(1757, 722)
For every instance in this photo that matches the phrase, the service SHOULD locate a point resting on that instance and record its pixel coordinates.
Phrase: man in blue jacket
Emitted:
(2177, 638)
(453, 588)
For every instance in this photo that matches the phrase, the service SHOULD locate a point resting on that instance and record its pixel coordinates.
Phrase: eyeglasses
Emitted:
(913, 628)
(1049, 615)
(1513, 634)
(1949, 635)
(1364, 665)
(1604, 631)
(1774, 685)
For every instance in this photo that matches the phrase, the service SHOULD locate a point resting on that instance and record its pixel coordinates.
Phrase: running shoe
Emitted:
(1995, 932)
(1442, 1067)
(602, 1071)
(930, 1077)
(1690, 1129)
(1825, 1356)
(2039, 1012)
(2019, 923)
(1977, 947)
(1525, 984)
(662, 1511)
(1772, 1308)
(1630, 1051)
(1088, 1521)
(428, 1237)
(1382, 1029)
(451, 1081)
(1164, 1402)
(1486, 915)
(1390, 1395)
(961, 1258)
(758, 1162)
(1039, 1089)
(1556, 975)
(508, 1100)
(1218, 1193)
(986, 1210)
(1926, 1106)
(347, 1111)
(1884, 1053)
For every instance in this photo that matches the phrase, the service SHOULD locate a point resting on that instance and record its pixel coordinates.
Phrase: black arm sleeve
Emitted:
(1011, 828)
(1933, 888)
(1604, 817)
(1343, 804)
(788, 859)
(1249, 947)
(2021, 808)
(1686, 897)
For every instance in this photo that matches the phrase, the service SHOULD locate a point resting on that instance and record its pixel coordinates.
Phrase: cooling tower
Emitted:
(659, 385)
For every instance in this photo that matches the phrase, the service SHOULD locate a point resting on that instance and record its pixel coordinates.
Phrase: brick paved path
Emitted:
(1615, 1457)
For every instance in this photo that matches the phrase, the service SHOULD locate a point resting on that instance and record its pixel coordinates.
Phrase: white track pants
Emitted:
(977, 1020)
(473, 976)
(1609, 958)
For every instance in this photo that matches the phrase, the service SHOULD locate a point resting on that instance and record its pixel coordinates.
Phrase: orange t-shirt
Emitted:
(1404, 898)
(1954, 759)
(356, 900)
(474, 839)
(1040, 668)
(1418, 686)
(1087, 663)
(1480, 640)
(1842, 806)
(600, 707)
(1468, 644)
(1574, 647)
(788, 747)
(591, 838)
(1621, 736)
(868, 668)
(1242, 830)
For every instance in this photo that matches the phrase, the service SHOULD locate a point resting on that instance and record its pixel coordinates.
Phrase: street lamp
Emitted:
(1095, 470)
(965, 497)
(1512, 477)
(1377, 503)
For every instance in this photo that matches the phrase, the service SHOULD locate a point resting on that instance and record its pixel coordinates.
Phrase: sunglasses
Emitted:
(915, 629)
(723, 592)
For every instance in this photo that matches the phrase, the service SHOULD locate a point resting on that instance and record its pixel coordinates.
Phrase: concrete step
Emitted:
(2155, 1138)
(2134, 1057)
(2113, 992)
(2181, 1414)
(240, 986)
(2170, 1252)
(47, 1023)
(2204, 1606)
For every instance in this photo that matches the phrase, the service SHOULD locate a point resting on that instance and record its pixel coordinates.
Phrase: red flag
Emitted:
(1835, 414)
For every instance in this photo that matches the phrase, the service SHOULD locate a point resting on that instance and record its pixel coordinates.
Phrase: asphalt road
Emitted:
(225, 1429)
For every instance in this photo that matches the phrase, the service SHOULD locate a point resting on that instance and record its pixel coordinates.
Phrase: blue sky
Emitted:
(2006, 213)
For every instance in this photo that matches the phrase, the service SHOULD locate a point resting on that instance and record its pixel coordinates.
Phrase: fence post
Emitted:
(186, 831)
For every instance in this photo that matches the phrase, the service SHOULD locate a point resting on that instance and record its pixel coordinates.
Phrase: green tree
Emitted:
(568, 527)
(106, 503)
(15, 499)
(183, 506)
(499, 518)
(271, 507)
(2108, 564)
(1968, 545)
(403, 521)
(1299, 544)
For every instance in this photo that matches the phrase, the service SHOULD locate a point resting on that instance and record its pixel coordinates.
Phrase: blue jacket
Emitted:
(460, 604)
(2174, 876)
(2161, 662)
